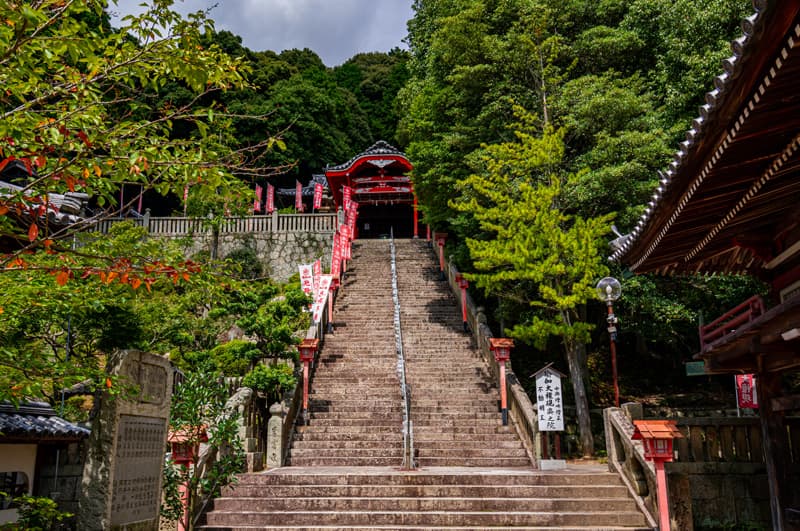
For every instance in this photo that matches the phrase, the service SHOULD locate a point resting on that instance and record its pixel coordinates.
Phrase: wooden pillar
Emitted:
(776, 448)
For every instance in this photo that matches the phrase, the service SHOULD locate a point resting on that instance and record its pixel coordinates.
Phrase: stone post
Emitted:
(121, 487)
(274, 436)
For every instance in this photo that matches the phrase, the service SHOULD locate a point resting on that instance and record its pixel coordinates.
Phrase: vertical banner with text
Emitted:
(321, 296)
(270, 199)
(746, 391)
(298, 196)
(347, 194)
(317, 195)
(257, 200)
(548, 400)
(336, 256)
(307, 279)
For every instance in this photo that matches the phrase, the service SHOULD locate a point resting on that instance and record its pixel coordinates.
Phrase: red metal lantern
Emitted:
(185, 442)
(441, 238)
(308, 348)
(463, 283)
(501, 347)
(657, 437)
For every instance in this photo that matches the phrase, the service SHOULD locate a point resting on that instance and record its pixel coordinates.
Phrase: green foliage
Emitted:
(245, 260)
(234, 358)
(272, 380)
(198, 407)
(35, 514)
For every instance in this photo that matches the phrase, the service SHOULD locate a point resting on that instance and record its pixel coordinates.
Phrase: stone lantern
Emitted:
(501, 348)
(657, 437)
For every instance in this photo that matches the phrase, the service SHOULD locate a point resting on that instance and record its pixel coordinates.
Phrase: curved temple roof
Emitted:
(737, 171)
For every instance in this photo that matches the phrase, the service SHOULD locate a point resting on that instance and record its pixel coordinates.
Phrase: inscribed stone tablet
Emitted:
(137, 477)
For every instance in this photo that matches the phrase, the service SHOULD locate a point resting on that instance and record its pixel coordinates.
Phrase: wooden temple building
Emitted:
(730, 203)
(380, 184)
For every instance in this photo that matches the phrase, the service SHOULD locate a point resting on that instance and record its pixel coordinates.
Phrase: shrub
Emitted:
(271, 380)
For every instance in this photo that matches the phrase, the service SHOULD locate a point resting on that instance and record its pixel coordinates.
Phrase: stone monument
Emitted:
(121, 487)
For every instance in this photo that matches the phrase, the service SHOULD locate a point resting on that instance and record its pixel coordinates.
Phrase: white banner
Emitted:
(307, 278)
(321, 297)
(548, 401)
(317, 273)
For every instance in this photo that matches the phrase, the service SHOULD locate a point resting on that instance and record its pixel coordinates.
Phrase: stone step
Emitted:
(436, 518)
(434, 477)
(411, 503)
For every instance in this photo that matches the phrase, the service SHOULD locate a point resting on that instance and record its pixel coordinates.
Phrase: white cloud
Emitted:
(335, 29)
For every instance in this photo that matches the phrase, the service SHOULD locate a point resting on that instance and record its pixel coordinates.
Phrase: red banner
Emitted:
(347, 194)
(270, 199)
(317, 195)
(746, 391)
(257, 201)
(298, 196)
(351, 220)
(336, 256)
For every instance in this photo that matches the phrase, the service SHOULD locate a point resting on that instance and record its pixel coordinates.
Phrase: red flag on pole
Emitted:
(298, 196)
(257, 201)
(317, 195)
(270, 199)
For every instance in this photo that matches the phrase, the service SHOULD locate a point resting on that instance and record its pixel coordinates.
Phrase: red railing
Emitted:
(731, 320)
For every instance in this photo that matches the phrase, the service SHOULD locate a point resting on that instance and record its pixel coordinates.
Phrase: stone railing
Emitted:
(717, 456)
(626, 458)
(184, 226)
(283, 415)
(521, 410)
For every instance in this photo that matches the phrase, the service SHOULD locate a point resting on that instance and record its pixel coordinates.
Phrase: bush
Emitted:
(271, 380)
(235, 357)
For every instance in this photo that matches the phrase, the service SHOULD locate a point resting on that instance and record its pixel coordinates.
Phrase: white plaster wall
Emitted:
(17, 458)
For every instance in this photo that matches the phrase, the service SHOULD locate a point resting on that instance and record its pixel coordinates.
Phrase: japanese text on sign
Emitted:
(548, 401)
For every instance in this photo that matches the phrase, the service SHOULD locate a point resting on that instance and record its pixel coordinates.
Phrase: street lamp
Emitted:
(609, 290)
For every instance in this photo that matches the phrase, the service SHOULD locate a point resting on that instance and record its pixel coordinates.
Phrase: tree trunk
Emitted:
(581, 400)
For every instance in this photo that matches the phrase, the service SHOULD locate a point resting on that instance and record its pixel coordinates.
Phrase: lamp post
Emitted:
(657, 436)
(307, 348)
(185, 444)
(463, 283)
(609, 290)
(441, 237)
(501, 347)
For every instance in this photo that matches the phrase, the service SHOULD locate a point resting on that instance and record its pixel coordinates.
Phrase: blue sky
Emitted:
(335, 29)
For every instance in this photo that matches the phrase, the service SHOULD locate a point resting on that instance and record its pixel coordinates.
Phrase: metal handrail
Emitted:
(405, 389)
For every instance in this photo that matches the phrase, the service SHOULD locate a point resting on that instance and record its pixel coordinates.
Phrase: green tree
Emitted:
(536, 254)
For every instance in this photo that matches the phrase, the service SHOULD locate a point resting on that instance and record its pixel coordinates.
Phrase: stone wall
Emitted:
(279, 252)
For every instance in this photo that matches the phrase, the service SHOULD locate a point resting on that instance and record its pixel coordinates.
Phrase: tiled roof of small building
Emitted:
(36, 420)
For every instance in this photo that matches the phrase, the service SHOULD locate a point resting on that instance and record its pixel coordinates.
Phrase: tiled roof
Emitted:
(380, 147)
(670, 193)
(36, 420)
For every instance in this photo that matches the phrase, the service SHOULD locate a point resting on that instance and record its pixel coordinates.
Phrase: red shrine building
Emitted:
(380, 184)
(730, 203)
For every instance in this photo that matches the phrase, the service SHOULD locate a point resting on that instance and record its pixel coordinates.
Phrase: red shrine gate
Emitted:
(379, 182)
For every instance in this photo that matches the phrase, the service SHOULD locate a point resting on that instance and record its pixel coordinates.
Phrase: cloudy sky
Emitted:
(335, 29)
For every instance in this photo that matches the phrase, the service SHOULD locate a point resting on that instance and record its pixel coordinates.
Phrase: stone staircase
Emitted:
(473, 472)
(454, 406)
(355, 404)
